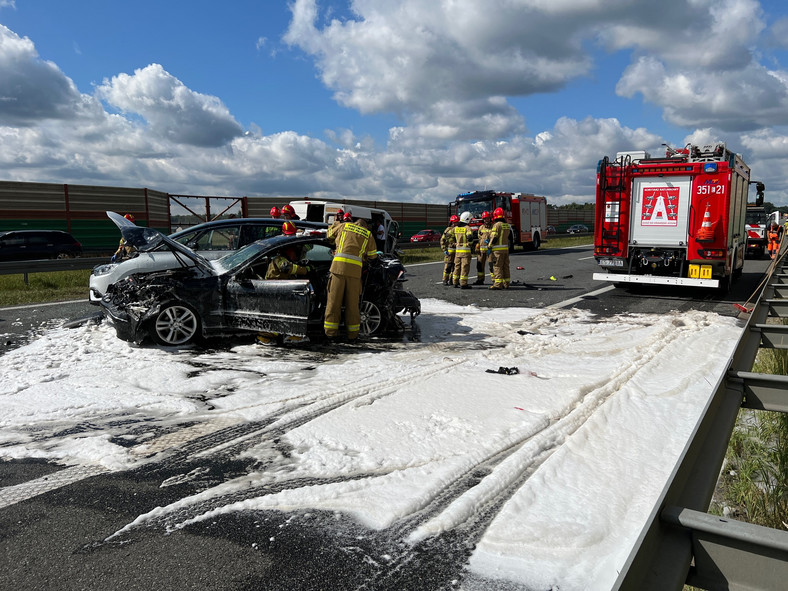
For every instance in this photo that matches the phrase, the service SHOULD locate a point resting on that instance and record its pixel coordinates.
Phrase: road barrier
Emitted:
(49, 265)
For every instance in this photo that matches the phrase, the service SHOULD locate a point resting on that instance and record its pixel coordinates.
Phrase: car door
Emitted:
(267, 305)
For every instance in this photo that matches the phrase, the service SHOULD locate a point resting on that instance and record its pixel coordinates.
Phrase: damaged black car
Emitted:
(230, 295)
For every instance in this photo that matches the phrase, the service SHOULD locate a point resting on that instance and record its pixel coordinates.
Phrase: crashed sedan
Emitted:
(231, 295)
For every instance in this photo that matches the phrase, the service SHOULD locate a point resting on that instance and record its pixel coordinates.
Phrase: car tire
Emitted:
(176, 324)
(371, 318)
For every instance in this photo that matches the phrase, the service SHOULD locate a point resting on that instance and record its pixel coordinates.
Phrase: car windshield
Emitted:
(239, 257)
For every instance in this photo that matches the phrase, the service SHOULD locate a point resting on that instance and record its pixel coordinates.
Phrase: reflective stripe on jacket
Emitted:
(447, 239)
(463, 235)
(499, 236)
(354, 244)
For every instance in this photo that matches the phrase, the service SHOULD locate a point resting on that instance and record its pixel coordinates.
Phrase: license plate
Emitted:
(611, 262)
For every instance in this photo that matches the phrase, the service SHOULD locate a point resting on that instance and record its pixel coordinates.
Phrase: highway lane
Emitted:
(69, 521)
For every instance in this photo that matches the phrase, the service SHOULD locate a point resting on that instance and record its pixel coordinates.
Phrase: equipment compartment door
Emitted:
(661, 211)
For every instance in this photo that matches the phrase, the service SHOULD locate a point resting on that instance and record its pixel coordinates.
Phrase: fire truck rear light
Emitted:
(712, 254)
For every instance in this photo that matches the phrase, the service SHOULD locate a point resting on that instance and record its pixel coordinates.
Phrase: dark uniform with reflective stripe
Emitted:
(354, 245)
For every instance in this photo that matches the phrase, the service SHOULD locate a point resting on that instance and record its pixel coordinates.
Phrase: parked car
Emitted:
(577, 229)
(212, 240)
(27, 245)
(229, 296)
(426, 236)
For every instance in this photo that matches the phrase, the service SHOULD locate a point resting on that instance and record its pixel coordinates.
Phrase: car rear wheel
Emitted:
(174, 325)
(371, 318)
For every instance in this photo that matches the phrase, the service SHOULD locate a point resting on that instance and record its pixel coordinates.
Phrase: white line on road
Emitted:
(28, 306)
(571, 301)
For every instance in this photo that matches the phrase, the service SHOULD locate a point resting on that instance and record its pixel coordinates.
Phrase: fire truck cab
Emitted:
(676, 220)
(525, 213)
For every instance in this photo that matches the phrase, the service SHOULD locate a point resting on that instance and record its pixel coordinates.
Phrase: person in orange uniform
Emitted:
(482, 254)
(447, 246)
(354, 245)
(773, 235)
(463, 236)
(498, 246)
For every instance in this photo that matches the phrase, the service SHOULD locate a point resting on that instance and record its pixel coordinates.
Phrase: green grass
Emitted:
(754, 484)
(43, 287)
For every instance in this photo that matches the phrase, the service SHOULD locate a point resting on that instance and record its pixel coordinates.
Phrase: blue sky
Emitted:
(407, 100)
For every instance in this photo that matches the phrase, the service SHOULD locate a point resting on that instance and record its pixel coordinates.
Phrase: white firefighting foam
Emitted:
(575, 447)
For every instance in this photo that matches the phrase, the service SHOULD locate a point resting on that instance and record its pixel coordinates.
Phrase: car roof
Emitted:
(246, 221)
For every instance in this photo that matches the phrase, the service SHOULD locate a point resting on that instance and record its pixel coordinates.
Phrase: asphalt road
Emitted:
(57, 540)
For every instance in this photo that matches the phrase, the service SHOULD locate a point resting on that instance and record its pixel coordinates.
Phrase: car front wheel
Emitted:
(371, 318)
(174, 325)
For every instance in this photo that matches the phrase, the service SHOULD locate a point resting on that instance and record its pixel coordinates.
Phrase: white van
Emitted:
(325, 211)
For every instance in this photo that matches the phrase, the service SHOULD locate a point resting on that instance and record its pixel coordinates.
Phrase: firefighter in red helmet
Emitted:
(482, 254)
(124, 250)
(276, 212)
(498, 247)
(289, 213)
(447, 246)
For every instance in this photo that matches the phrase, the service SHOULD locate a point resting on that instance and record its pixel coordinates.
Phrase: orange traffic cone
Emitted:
(706, 232)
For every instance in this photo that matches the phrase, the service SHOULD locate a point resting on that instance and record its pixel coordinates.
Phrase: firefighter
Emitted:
(483, 234)
(447, 246)
(124, 250)
(276, 212)
(285, 264)
(354, 245)
(463, 237)
(288, 213)
(498, 247)
(773, 235)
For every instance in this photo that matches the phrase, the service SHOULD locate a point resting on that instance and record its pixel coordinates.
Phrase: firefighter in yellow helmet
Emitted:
(482, 254)
(498, 246)
(463, 237)
(447, 246)
(354, 245)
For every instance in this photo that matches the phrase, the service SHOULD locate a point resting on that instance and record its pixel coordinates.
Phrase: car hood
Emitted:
(148, 239)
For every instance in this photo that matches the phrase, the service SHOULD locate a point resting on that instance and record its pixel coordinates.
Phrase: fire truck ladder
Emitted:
(618, 192)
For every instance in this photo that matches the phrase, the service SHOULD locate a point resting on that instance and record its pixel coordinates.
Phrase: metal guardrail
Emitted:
(681, 543)
(48, 265)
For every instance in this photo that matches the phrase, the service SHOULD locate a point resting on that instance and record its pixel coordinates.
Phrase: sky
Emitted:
(370, 99)
(573, 446)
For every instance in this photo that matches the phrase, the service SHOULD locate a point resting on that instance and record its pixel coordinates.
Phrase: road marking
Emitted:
(584, 258)
(572, 301)
(28, 306)
(11, 495)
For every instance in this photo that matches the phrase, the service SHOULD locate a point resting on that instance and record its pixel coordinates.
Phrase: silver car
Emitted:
(212, 240)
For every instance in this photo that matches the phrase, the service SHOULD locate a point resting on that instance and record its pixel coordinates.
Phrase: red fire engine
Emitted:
(525, 213)
(677, 220)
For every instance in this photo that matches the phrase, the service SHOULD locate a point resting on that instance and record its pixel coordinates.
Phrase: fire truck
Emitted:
(676, 220)
(525, 213)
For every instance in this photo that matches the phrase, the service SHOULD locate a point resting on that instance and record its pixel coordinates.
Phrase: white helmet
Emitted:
(465, 217)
